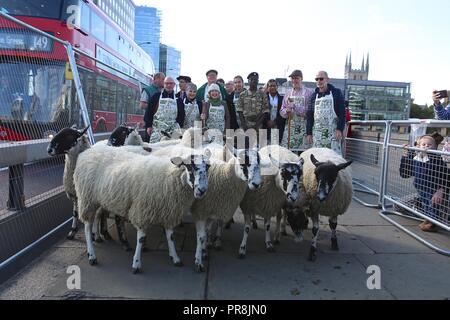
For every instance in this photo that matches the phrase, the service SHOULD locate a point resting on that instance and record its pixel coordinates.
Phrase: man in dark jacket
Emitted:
(325, 118)
(275, 102)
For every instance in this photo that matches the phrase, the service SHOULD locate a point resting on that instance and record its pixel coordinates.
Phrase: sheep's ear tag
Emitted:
(178, 161)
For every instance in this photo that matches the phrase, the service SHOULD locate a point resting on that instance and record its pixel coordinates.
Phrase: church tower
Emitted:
(356, 74)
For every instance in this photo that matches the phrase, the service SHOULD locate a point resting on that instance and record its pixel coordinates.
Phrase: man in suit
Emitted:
(275, 102)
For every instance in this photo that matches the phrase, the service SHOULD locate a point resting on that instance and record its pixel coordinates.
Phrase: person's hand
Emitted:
(405, 152)
(338, 134)
(203, 116)
(436, 98)
(309, 139)
(149, 131)
(438, 197)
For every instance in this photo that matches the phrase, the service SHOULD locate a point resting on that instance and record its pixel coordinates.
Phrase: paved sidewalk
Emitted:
(409, 270)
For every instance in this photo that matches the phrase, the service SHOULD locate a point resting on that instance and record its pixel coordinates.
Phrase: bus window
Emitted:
(37, 8)
(97, 27)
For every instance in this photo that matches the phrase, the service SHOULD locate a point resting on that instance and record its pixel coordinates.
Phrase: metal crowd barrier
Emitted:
(401, 191)
(365, 148)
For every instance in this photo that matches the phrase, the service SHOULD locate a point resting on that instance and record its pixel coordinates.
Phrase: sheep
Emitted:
(275, 191)
(328, 191)
(71, 142)
(144, 189)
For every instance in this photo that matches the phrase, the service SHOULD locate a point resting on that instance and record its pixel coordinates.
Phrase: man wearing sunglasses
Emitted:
(325, 118)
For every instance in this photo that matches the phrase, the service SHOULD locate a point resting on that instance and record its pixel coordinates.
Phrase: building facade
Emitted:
(147, 32)
(169, 61)
(121, 12)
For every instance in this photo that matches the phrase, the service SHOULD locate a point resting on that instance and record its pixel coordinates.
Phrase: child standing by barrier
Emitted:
(431, 177)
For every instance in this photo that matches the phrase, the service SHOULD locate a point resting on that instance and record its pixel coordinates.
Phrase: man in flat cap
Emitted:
(253, 106)
(183, 81)
(202, 93)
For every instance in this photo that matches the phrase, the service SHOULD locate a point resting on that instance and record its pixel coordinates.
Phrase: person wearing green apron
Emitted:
(325, 119)
(191, 108)
(215, 112)
(165, 114)
(294, 109)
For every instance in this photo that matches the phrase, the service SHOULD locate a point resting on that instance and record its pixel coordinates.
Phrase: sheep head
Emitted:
(65, 140)
(118, 136)
(326, 176)
(196, 168)
(289, 177)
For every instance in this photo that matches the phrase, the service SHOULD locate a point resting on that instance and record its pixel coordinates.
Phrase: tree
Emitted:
(421, 112)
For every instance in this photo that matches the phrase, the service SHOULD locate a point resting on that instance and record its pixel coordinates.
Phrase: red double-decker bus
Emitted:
(37, 92)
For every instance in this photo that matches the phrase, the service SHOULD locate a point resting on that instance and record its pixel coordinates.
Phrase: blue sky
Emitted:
(408, 41)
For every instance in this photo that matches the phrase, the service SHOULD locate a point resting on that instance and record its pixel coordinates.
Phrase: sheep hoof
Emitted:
(199, 268)
(241, 256)
(255, 225)
(72, 234)
(136, 270)
(312, 254)
(93, 262)
(334, 245)
(270, 248)
(178, 263)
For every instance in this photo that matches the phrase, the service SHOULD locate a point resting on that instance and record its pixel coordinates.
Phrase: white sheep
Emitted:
(279, 185)
(328, 190)
(144, 189)
(70, 142)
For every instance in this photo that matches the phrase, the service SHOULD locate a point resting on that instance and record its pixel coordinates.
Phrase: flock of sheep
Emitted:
(147, 184)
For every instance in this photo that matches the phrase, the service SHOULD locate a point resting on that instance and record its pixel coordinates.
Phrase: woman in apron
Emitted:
(191, 109)
(215, 111)
(294, 109)
(326, 120)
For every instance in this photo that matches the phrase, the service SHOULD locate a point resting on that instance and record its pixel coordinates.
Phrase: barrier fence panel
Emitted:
(417, 183)
(365, 148)
(46, 85)
(38, 98)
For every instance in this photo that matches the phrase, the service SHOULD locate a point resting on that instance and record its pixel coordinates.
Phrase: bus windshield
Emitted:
(35, 8)
(33, 92)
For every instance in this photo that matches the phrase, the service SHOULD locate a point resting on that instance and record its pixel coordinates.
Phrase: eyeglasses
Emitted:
(319, 79)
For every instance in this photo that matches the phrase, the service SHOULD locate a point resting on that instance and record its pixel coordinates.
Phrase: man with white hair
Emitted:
(165, 114)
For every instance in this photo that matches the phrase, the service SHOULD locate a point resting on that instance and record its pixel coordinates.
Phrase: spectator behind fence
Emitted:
(431, 177)
(439, 110)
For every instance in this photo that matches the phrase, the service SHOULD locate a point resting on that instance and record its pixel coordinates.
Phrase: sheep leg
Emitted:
(120, 227)
(277, 237)
(210, 232)
(218, 238)
(172, 251)
(90, 245)
(200, 226)
(96, 228)
(254, 223)
(283, 223)
(74, 228)
(269, 244)
(104, 226)
(315, 231)
(333, 225)
(137, 263)
(243, 247)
